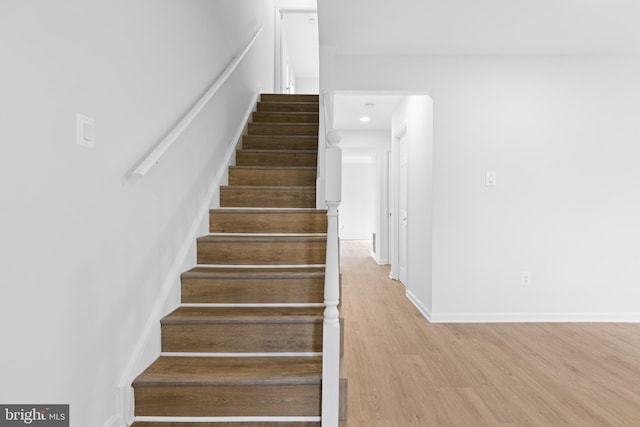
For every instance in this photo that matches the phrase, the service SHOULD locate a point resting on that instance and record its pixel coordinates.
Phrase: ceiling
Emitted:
(301, 32)
(349, 107)
(459, 27)
(469, 27)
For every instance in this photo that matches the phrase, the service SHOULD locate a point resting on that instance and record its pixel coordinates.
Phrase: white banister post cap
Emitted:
(333, 138)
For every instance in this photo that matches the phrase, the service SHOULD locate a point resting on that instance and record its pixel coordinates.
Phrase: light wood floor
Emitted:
(404, 371)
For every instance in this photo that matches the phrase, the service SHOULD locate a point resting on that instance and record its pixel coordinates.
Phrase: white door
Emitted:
(402, 209)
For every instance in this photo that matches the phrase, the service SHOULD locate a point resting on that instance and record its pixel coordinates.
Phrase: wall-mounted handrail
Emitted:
(154, 157)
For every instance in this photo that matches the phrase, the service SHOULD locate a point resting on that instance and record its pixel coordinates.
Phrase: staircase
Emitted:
(247, 339)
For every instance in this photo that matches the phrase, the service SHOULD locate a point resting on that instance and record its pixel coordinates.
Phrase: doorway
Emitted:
(400, 209)
(297, 51)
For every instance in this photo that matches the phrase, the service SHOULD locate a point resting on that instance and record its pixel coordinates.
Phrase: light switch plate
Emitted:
(85, 131)
(490, 179)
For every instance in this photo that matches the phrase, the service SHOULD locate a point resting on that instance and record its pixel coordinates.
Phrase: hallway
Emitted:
(404, 371)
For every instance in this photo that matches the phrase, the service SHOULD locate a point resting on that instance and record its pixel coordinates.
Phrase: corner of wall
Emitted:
(419, 305)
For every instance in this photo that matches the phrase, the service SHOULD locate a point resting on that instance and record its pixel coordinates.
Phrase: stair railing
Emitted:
(331, 323)
(154, 157)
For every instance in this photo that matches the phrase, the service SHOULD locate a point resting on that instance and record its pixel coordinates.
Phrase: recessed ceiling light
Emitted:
(365, 119)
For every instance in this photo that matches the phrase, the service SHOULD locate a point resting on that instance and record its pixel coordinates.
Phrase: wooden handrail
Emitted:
(154, 157)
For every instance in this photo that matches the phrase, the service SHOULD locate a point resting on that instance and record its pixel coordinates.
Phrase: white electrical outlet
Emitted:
(527, 277)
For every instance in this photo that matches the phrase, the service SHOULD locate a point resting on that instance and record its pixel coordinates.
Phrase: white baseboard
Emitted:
(419, 305)
(535, 317)
(378, 260)
(152, 326)
(522, 317)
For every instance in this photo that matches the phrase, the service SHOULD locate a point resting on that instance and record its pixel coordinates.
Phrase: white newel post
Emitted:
(331, 324)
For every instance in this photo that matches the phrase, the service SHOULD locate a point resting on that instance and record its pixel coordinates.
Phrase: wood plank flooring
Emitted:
(404, 371)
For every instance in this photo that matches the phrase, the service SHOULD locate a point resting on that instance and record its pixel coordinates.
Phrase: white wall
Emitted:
(562, 134)
(308, 85)
(356, 208)
(380, 164)
(85, 249)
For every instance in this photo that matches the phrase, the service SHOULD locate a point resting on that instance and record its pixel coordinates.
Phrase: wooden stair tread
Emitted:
(272, 175)
(262, 249)
(283, 137)
(253, 285)
(285, 125)
(267, 196)
(254, 273)
(286, 128)
(267, 220)
(286, 113)
(209, 315)
(286, 117)
(306, 138)
(289, 98)
(230, 371)
(247, 424)
(276, 102)
(261, 239)
(267, 210)
(270, 187)
(311, 107)
(279, 157)
(279, 151)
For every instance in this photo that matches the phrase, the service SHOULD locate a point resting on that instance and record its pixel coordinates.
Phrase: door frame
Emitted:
(394, 229)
